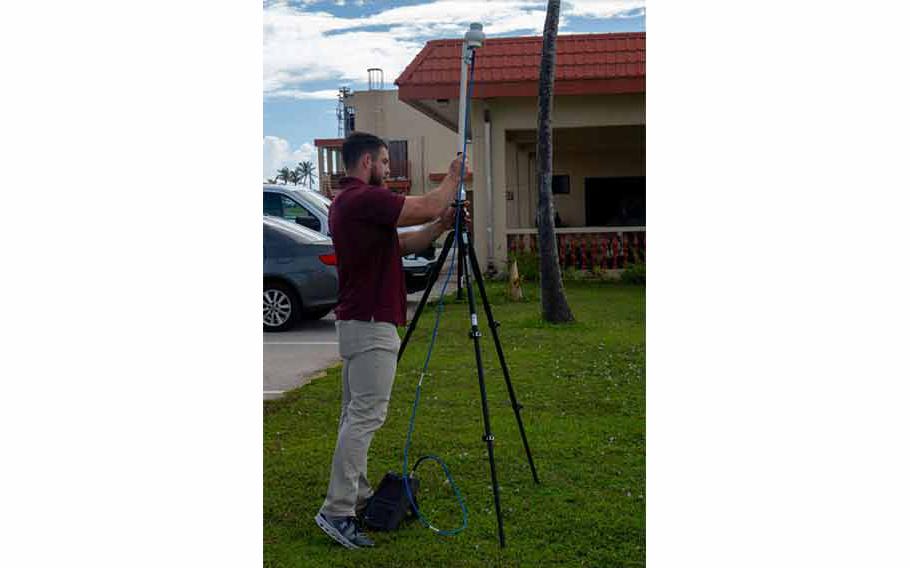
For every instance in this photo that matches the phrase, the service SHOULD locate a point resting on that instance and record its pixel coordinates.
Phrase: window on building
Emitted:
(398, 158)
(349, 120)
(615, 202)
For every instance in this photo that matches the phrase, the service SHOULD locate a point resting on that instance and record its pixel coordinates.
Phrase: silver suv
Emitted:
(311, 210)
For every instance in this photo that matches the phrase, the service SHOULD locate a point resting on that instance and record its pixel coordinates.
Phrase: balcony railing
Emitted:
(586, 248)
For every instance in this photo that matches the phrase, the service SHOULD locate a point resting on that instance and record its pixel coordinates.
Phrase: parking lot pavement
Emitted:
(293, 358)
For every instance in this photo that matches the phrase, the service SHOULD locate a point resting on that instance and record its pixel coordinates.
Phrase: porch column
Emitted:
(477, 151)
(500, 247)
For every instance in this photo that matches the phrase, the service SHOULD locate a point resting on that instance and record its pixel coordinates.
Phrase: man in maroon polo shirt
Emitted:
(371, 293)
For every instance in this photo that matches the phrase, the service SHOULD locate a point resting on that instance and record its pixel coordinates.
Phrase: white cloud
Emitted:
(304, 46)
(301, 46)
(277, 154)
(497, 17)
(601, 8)
(266, 4)
(326, 94)
(296, 49)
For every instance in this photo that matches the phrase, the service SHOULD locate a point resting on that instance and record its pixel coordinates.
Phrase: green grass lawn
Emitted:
(583, 390)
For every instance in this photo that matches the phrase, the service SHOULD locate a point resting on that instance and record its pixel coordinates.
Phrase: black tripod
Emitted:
(465, 251)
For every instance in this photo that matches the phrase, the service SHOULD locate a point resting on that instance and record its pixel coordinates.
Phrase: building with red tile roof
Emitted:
(598, 125)
(510, 67)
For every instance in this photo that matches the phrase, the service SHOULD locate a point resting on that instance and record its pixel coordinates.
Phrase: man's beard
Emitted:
(376, 178)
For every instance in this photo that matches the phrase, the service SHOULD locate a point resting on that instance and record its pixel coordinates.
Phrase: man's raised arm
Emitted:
(420, 209)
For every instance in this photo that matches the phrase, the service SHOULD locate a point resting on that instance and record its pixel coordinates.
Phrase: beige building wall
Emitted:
(431, 146)
(512, 117)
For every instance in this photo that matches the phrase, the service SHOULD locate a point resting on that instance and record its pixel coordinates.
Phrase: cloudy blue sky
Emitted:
(311, 47)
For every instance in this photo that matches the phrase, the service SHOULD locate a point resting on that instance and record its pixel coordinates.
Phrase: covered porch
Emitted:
(598, 194)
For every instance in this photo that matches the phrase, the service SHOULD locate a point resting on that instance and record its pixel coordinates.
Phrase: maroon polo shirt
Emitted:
(363, 220)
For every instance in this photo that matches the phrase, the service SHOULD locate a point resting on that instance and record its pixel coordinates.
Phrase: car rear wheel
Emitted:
(280, 306)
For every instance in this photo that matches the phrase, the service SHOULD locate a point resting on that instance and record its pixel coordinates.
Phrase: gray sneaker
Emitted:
(344, 530)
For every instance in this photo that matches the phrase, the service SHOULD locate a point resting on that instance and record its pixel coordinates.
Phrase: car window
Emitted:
(317, 202)
(291, 210)
(271, 204)
(317, 199)
(282, 206)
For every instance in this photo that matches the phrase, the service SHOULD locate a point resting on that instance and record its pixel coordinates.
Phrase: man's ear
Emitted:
(367, 161)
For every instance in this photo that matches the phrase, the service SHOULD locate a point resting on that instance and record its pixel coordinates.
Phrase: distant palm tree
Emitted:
(271, 180)
(307, 173)
(294, 177)
(284, 174)
(554, 306)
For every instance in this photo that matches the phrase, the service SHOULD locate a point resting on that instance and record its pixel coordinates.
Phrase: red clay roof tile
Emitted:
(585, 64)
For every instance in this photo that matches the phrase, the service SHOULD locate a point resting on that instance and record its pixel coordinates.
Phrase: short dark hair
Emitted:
(357, 144)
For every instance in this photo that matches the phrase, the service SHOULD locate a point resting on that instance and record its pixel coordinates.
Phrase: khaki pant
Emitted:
(369, 351)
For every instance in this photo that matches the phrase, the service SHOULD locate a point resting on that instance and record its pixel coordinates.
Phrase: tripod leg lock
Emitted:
(496, 324)
(474, 333)
(488, 437)
(518, 406)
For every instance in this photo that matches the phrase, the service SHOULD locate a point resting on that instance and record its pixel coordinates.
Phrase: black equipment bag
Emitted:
(390, 505)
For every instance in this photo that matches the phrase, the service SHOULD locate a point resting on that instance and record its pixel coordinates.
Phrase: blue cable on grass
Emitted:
(440, 306)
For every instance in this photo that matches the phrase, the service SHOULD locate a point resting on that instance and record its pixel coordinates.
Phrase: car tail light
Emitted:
(329, 259)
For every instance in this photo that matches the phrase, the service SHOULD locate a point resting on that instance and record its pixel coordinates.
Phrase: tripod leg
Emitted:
(494, 326)
(461, 276)
(487, 436)
(431, 281)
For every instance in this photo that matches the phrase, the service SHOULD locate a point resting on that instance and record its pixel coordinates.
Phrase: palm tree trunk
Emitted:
(554, 306)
